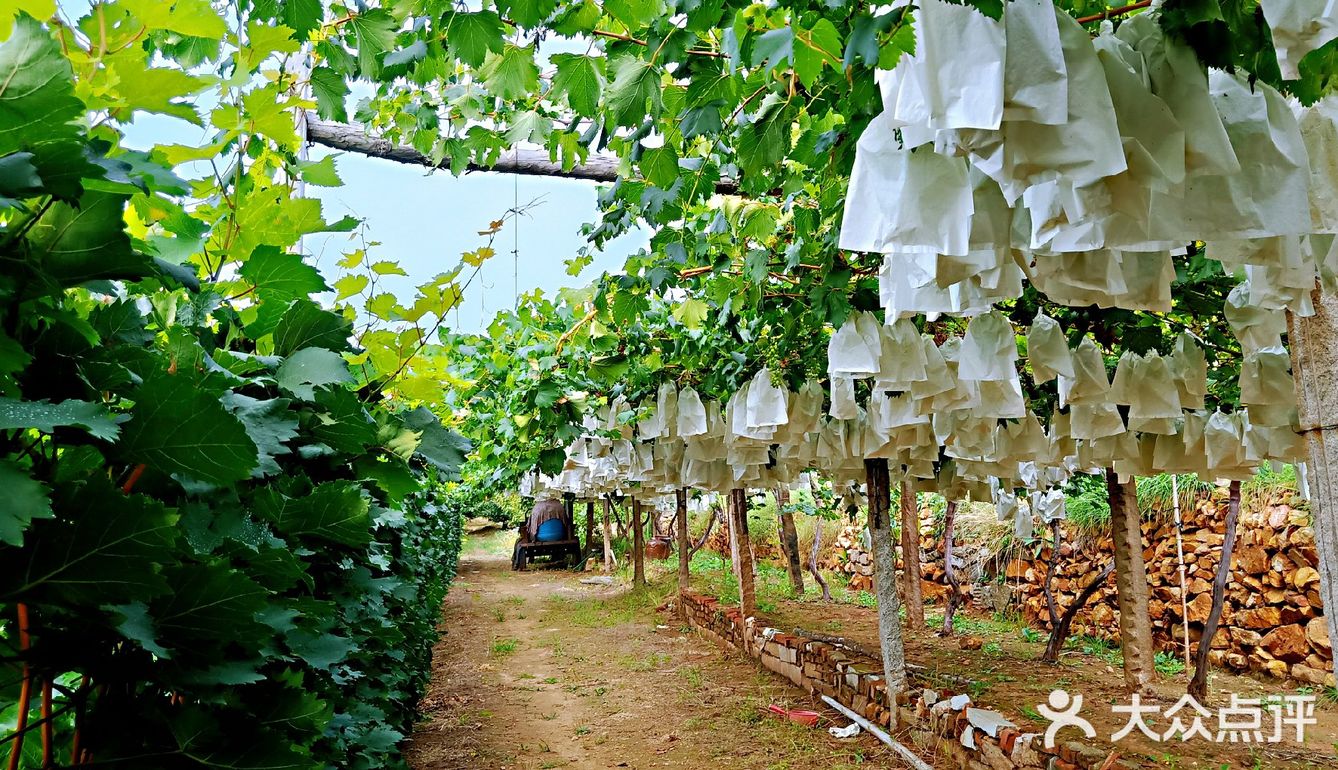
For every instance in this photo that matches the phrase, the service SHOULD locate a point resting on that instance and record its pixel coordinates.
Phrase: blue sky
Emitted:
(425, 219)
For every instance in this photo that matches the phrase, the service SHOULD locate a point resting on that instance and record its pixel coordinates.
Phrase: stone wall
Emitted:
(1273, 616)
(942, 727)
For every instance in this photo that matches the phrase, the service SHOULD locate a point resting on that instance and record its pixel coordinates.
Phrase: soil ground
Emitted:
(539, 670)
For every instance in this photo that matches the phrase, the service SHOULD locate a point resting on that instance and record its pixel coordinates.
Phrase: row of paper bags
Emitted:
(1083, 166)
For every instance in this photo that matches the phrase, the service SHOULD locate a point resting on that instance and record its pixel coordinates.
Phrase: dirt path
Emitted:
(537, 670)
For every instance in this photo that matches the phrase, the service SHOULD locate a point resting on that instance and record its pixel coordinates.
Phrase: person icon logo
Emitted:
(1062, 711)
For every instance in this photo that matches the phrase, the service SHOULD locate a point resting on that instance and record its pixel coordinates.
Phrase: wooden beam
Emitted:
(523, 161)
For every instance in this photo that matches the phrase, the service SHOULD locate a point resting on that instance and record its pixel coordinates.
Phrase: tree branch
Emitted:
(526, 162)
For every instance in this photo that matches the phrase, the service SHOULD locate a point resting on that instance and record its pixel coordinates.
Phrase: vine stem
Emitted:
(75, 758)
(25, 691)
(572, 331)
(1109, 12)
(133, 478)
(46, 723)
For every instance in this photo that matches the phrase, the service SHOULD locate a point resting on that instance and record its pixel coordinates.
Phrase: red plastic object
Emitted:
(805, 718)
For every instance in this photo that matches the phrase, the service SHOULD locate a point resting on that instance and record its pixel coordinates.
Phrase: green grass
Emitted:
(1106, 651)
(628, 607)
(1155, 492)
(504, 647)
(1088, 505)
(1168, 663)
(693, 675)
(644, 663)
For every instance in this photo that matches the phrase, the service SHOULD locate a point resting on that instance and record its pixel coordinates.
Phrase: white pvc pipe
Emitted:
(906, 754)
(1180, 551)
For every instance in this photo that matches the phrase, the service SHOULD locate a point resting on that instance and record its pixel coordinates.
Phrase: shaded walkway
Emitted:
(537, 670)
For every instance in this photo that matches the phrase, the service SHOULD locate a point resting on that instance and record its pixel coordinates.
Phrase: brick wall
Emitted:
(942, 727)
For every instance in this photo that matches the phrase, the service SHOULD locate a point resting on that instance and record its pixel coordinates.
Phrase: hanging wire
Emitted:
(515, 234)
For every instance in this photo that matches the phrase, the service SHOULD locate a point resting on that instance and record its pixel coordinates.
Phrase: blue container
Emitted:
(551, 530)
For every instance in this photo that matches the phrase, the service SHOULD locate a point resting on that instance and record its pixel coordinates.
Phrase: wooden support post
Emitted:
(638, 546)
(684, 557)
(1198, 686)
(1314, 347)
(1131, 583)
(885, 577)
(608, 535)
(589, 544)
(817, 543)
(910, 557)
(789, 540)
(740, 547)
(949, 572)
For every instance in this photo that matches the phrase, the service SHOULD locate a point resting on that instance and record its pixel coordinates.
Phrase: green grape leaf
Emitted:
(345, 426)
(336, 511)
(374, 30)
(137, 625)
(281, 274)
(815, 48)
(390, 474)
(633, 13)
(512, 73)
(305, 325)
(440, 446)
(691, 313)
(773, 48)
(303, 16)
(209, 603)
(269, 423)
(18, 178)
(403, 57)
(331, 91)
(551, 461)
(264, 41)
(75, 244)
(635, 91)
(37, 101)
(350, 285)
(106, 547)
(309, 368)
(659, 166)
(472, 36)
(25, 499)
(192, 18)
(177, 426)
(527, 13)
(321, 173)
(580, 79)
(577, 19)
(46, 416)
(320, 651)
